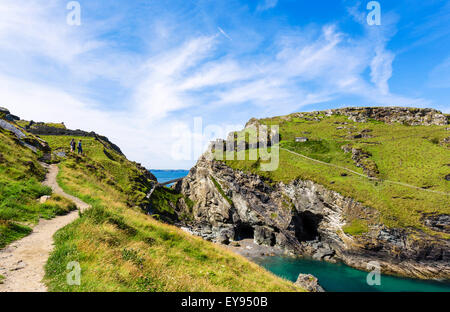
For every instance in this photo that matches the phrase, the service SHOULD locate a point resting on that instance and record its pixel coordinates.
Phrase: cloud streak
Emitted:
(137, 96)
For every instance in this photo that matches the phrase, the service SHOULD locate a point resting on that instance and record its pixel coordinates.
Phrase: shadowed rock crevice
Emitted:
(243, 231)
(305, 218)
(305, 225)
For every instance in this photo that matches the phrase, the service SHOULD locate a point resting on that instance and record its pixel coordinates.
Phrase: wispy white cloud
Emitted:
(266, 5)
(52, 72)
(381, 70)
(224, 33)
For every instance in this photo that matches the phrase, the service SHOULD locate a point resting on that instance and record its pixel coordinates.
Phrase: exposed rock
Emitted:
(60, 154)
(309, 282)
(4, 110)
(264, 235)
(440, 223)
(305, 218)
(405, 115)
(445, 142)
(44, 198)
(10, 117)
(7, 126)
(362, 159)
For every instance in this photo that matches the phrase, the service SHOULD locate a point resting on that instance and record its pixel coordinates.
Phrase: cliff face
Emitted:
(305, 218)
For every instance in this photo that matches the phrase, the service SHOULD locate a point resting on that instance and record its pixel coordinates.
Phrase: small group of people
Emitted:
(79, 146)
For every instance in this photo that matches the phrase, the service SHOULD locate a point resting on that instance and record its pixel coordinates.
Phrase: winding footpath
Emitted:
(363, 175)
(22, 262)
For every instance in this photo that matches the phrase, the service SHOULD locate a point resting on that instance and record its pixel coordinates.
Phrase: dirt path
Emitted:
(22, 262)
(363, 175)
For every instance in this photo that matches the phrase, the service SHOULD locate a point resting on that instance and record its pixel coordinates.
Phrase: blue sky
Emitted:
(142, 72)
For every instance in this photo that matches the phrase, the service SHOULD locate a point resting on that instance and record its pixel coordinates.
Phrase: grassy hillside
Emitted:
(415, 155)
(20, 189)
(120, 248)
(118, 245)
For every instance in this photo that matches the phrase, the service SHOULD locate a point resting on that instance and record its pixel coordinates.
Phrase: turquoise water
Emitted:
(340, 277)
(332, 276)
(167, 175)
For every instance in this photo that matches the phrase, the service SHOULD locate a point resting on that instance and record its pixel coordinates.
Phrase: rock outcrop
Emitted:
(304, 218)
(22, 138)
(405, 115)
(42, 129)
(362, 159)
(309, 282)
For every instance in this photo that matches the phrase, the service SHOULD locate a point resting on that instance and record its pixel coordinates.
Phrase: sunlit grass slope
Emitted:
(409, 154)
(120, 248)
(20, 189)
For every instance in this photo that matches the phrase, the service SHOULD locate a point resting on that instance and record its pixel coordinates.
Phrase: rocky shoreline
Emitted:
(303, 218)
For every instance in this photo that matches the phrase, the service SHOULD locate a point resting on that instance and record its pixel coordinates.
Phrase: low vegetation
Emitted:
(356, 227)
(400, 153)
(20, 190)
(121, 248)
(219, 188)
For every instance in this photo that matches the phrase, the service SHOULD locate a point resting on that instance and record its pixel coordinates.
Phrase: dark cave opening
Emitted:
(306, 224)
(244, 231)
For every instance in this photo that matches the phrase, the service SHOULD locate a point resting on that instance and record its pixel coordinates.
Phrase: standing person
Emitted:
(80, 148)
(72, 146)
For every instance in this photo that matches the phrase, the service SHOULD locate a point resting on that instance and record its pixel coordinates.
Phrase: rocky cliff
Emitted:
(305, 218)
(405, 115)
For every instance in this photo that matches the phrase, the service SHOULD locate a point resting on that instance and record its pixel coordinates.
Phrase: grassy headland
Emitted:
(413, 155)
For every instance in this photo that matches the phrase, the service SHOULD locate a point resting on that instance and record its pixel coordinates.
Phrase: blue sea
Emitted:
(167, 175)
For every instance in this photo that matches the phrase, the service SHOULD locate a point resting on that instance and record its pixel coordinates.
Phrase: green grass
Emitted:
(356, 227)
(11, 231)
(219, 188)
(120, 248)
(55, 125)
(20, 189)
(107, 165)
(24, 123)
(406, 154)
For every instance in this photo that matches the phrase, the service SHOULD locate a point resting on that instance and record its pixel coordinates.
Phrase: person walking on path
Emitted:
(80, 148)
(72, 146)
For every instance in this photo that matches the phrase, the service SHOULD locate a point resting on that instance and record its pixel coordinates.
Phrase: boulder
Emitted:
(4, 110)
(264, 235)
(225, 234)
(440, 223)
(309, 282)
(7, 126)
(323, 253)
(44, 199)
(11, 117)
